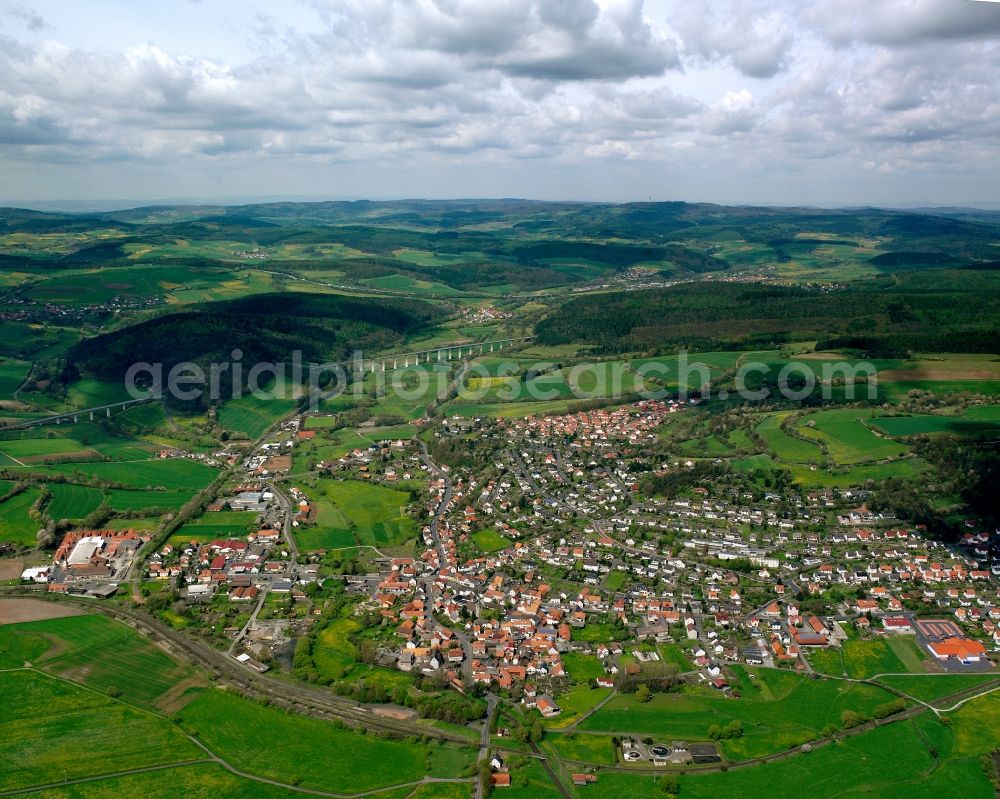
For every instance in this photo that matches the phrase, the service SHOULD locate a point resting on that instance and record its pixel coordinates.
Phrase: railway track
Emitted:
(292, 696)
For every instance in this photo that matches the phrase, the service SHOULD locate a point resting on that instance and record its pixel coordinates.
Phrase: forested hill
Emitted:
(938, 311)
(265, 327)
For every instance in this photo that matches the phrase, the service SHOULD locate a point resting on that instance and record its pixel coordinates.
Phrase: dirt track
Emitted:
(17, 610)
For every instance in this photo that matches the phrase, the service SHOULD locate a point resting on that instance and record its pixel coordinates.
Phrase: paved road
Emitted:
(539, 755)
(484, 738)
(286, 524)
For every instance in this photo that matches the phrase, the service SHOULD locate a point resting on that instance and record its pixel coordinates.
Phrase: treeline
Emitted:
(677, 481)
(967, 469)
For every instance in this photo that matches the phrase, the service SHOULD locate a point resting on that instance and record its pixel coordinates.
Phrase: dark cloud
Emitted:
(906, 22)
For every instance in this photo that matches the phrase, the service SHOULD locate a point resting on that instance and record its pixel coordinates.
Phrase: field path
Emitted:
(19, 463)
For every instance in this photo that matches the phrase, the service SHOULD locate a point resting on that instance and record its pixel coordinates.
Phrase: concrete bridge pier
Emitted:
(91, 416)
(107, 412)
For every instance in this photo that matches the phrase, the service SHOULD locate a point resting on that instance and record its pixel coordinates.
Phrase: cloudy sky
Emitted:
(824, 102)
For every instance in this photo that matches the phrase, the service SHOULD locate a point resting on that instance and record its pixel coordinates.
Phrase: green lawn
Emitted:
(596, 749)
(12, 374)
(863, 658)
(575, 702)
(615, 580)
(490, 541)
(675, 653)
(373, 513)
(582, 668)
(528, 781)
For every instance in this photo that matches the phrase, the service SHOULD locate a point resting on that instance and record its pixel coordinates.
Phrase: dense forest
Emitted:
(264, 327)
(958, 312)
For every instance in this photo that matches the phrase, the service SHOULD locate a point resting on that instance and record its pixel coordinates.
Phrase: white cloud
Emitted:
(712, 86)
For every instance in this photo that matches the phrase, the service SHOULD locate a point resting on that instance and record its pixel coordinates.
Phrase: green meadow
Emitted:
(783, 710)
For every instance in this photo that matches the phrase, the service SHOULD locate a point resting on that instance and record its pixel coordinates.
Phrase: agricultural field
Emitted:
(28, 451)
(232, 727)
(73, 501)
(105, 655)
(16, 524)
(126, 500)
(252, 416)
(52, 730)
(178, 474)
(688, 371)
(217, 524)
(201, 780)
(940, 423)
